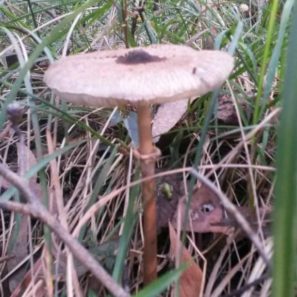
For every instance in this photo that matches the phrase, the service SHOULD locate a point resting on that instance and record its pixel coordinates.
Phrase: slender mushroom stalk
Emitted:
(140, 77)
(147, 148)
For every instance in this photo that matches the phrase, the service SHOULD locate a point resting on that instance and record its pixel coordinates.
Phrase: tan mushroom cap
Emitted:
(153, 74)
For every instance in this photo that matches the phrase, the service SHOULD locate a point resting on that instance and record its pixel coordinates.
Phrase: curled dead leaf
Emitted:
(205, 213)
(190, 282)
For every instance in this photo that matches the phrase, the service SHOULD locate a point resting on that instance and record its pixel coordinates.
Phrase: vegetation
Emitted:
(78, 160)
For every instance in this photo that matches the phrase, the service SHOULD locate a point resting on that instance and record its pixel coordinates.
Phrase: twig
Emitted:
(36, 209)
(5, 259)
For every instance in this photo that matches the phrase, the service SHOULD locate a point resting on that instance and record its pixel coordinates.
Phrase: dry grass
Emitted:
(88, 187)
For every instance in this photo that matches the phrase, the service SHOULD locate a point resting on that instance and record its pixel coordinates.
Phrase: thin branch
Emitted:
(36, 209)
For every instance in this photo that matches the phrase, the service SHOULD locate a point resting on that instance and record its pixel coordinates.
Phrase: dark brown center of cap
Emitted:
(138, 57)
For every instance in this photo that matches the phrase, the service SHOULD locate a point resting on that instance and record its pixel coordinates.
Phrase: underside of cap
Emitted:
(154, 74)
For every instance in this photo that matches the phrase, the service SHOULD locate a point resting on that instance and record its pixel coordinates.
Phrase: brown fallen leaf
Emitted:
(206, 214)
(190, 282)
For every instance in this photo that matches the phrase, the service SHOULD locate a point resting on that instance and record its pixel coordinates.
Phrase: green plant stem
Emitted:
(265, 60)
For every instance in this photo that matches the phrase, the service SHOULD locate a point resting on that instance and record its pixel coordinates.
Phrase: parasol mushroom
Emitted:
(140, 77)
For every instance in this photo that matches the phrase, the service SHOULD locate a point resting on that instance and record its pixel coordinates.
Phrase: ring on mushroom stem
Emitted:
(152, 156)
(140, 77)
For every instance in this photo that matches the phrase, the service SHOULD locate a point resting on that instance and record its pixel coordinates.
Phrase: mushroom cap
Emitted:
(153, 74)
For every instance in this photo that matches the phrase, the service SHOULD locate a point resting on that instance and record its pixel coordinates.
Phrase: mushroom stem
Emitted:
(146, 150)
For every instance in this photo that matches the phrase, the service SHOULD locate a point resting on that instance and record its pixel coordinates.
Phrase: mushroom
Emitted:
(140, 77)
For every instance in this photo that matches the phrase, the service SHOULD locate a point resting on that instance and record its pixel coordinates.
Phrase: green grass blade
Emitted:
(265, 59)
(56, 33)
(162, 283)
(128, 230)
(234, 42)
(277, 50)
(285, 219)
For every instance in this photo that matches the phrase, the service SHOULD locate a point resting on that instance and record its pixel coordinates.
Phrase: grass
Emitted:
(78, 160)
